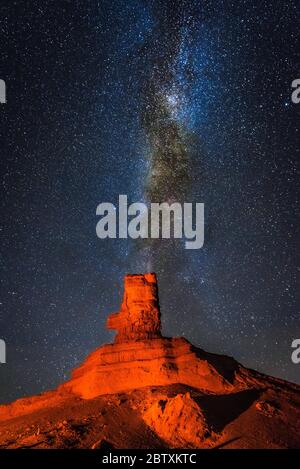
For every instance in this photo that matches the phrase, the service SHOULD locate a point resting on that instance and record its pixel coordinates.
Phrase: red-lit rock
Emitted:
(140, 356)
(123, 366)
(145, 390)
(178, 420)
(139, 316)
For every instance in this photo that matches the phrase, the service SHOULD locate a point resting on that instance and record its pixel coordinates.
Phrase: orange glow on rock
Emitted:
(139, 317)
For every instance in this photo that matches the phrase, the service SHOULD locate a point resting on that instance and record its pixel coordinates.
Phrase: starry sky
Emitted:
(163, 101)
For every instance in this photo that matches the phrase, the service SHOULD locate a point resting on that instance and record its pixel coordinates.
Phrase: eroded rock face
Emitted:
(140, 356)
(189, 398)
(120, 367)
(139, 316)
(178, 420)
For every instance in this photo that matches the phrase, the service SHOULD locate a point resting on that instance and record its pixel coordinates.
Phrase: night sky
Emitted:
(163, 101)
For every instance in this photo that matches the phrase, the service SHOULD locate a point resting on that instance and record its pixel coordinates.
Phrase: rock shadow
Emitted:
(220, 410)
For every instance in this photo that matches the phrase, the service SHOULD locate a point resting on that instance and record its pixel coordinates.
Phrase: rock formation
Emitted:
(160, 392)
(178, 420)
(140, 356)
(139, 317)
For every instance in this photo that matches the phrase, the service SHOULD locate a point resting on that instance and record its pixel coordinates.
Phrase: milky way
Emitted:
(163, 93)
(176, 100)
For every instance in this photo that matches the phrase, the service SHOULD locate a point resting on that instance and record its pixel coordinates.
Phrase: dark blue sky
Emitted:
(91, 85)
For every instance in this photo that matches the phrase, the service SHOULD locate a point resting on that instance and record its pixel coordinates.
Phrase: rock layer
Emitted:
(124, 366)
